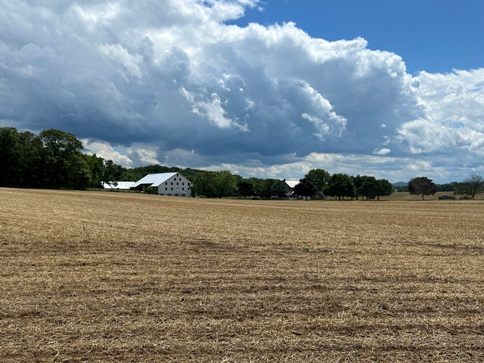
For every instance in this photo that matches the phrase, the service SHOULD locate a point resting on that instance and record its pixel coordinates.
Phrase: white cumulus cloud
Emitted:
(172, 82)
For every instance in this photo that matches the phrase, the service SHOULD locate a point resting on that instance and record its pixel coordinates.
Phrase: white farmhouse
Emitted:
(171, 184)
(291, 184)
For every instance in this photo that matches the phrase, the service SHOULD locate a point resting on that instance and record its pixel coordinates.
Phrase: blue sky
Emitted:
(262, 88)
(430, 35)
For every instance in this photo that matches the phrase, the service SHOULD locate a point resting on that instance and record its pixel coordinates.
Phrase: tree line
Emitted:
(320, 183)
(54, 159)
(316, 183)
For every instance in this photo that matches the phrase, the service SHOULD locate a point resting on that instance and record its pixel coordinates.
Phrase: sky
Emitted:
(268, 89)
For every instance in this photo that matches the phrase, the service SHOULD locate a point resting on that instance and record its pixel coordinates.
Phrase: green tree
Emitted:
(371, 188)
(10, 156)
(78, 173)
(359, 182)
(204, 184)
(130, 174)
(471, 186)
(31, 160)
(245, 188)
(278, 188)
(305, 188)
(215, 184)
(97, 167)
(257, 185)
(114, 173)
(264, 188)
(319, 178)
(268, 188)
(63, 163)
(20, 158)
(421, 186)
(384, 188)
(367, 186)
(225, 185)
(341, 186)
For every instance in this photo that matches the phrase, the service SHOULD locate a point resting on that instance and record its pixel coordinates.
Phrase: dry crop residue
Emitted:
(137, 278)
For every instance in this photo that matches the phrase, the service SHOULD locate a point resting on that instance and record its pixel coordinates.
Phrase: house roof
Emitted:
(118, 185)
(154, 180)
(292, 183)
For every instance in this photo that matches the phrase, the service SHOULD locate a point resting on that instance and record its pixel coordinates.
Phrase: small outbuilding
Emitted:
(170, 184)
(118, 185)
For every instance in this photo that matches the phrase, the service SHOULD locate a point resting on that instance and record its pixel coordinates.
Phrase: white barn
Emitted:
(170, 184)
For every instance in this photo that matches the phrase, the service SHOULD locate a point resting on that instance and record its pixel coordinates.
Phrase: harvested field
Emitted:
(120, 277)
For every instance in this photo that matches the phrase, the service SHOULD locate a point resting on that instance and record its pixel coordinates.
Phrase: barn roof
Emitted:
(154, 179)
(124, 185)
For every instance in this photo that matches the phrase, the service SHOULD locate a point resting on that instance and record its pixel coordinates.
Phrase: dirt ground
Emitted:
(121, 277)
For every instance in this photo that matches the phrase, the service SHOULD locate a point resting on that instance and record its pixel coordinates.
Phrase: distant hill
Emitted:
(400, 184)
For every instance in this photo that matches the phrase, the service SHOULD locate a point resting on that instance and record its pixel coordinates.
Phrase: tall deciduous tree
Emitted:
(279, 188)
(63, 163)
(113, 172)
(20, 158)
(471, 186)
(225, 185)
(245, 188)
(359, 181)
(215, 184)
(384, 188)
(371, 187)
(10, 155)
(305, 188)
(367, 186)
(31, 161)
(319, 178)
(341, 186)
(421, 186)
(204, 184)
(268, 188)
(97, 169)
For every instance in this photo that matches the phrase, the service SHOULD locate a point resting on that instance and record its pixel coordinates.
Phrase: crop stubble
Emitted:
(90, 276)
